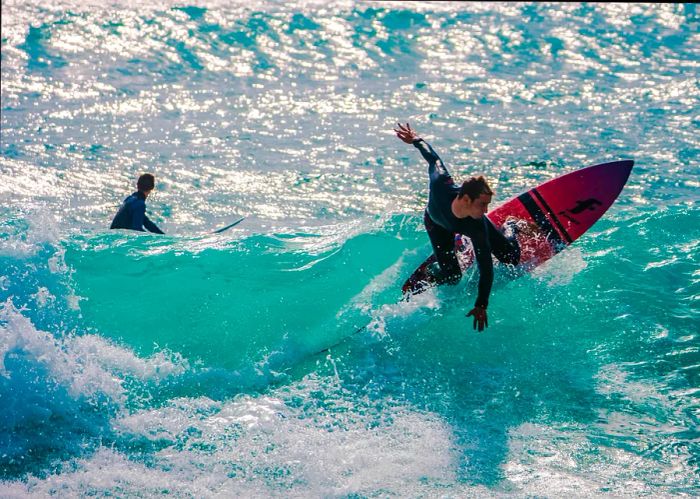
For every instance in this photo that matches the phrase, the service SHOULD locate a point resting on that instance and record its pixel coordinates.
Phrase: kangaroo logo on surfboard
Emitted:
(589, 204)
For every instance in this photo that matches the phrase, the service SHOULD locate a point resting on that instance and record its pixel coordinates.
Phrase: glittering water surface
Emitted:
(239, 364)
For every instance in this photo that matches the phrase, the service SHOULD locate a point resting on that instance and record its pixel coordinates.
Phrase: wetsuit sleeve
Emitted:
(151, 226)
(138, 214)
(482, 252)
(506, 249)
(436, 167)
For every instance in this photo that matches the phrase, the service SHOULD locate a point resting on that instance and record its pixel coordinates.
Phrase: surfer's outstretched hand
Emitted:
(480, 317)
(406, 134)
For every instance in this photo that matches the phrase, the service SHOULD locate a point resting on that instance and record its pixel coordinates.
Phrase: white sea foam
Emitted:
(270, 446)
(43, 297)
(573, 457)
(562, 268)
(548, 461)
(88, 365)
(41, 228)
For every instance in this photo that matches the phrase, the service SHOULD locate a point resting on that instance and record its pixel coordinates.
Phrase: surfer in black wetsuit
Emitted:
(462, 209)
(132, 214)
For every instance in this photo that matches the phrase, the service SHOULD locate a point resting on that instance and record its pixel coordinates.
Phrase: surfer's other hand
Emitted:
(406, 134)
(480, 317)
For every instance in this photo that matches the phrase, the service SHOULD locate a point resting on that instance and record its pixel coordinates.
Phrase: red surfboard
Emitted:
(558, 212)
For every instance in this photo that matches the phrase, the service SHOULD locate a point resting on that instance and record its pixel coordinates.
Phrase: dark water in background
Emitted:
(188, 364)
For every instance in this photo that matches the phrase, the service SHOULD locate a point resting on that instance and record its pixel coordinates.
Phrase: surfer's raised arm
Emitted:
(435, 165)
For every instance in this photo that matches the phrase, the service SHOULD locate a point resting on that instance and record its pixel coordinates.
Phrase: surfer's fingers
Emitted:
(473, 312)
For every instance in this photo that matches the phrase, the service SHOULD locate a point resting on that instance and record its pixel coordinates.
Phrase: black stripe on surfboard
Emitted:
(540, 218)
(553, 216)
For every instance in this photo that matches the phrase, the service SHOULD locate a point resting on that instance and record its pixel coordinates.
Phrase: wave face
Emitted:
(278, 358)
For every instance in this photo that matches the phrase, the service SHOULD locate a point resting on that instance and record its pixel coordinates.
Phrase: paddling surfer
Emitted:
(132, 213)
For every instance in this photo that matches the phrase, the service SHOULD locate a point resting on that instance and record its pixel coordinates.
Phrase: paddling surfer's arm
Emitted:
(139, 219)
(150, 226)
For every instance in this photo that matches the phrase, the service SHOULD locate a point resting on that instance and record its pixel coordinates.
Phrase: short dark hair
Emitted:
(146, 182)
(475, 187)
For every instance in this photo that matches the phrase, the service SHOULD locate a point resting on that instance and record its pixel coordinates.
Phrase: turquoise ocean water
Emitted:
(202, 365)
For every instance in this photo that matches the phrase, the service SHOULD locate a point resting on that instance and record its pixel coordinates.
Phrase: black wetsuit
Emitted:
(132, 215)
(442, 225)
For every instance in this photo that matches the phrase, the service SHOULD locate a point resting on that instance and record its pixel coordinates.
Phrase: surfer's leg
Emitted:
(443, 242)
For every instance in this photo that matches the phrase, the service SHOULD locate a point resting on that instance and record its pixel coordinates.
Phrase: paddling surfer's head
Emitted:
(146, 183)
(475, 194)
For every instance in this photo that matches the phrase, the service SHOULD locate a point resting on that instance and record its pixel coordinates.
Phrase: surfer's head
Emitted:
(474, 188)
(146, 183)
(475, 194)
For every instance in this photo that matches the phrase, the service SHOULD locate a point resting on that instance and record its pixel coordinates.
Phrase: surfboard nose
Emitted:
(617, 171)
(610, 178)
